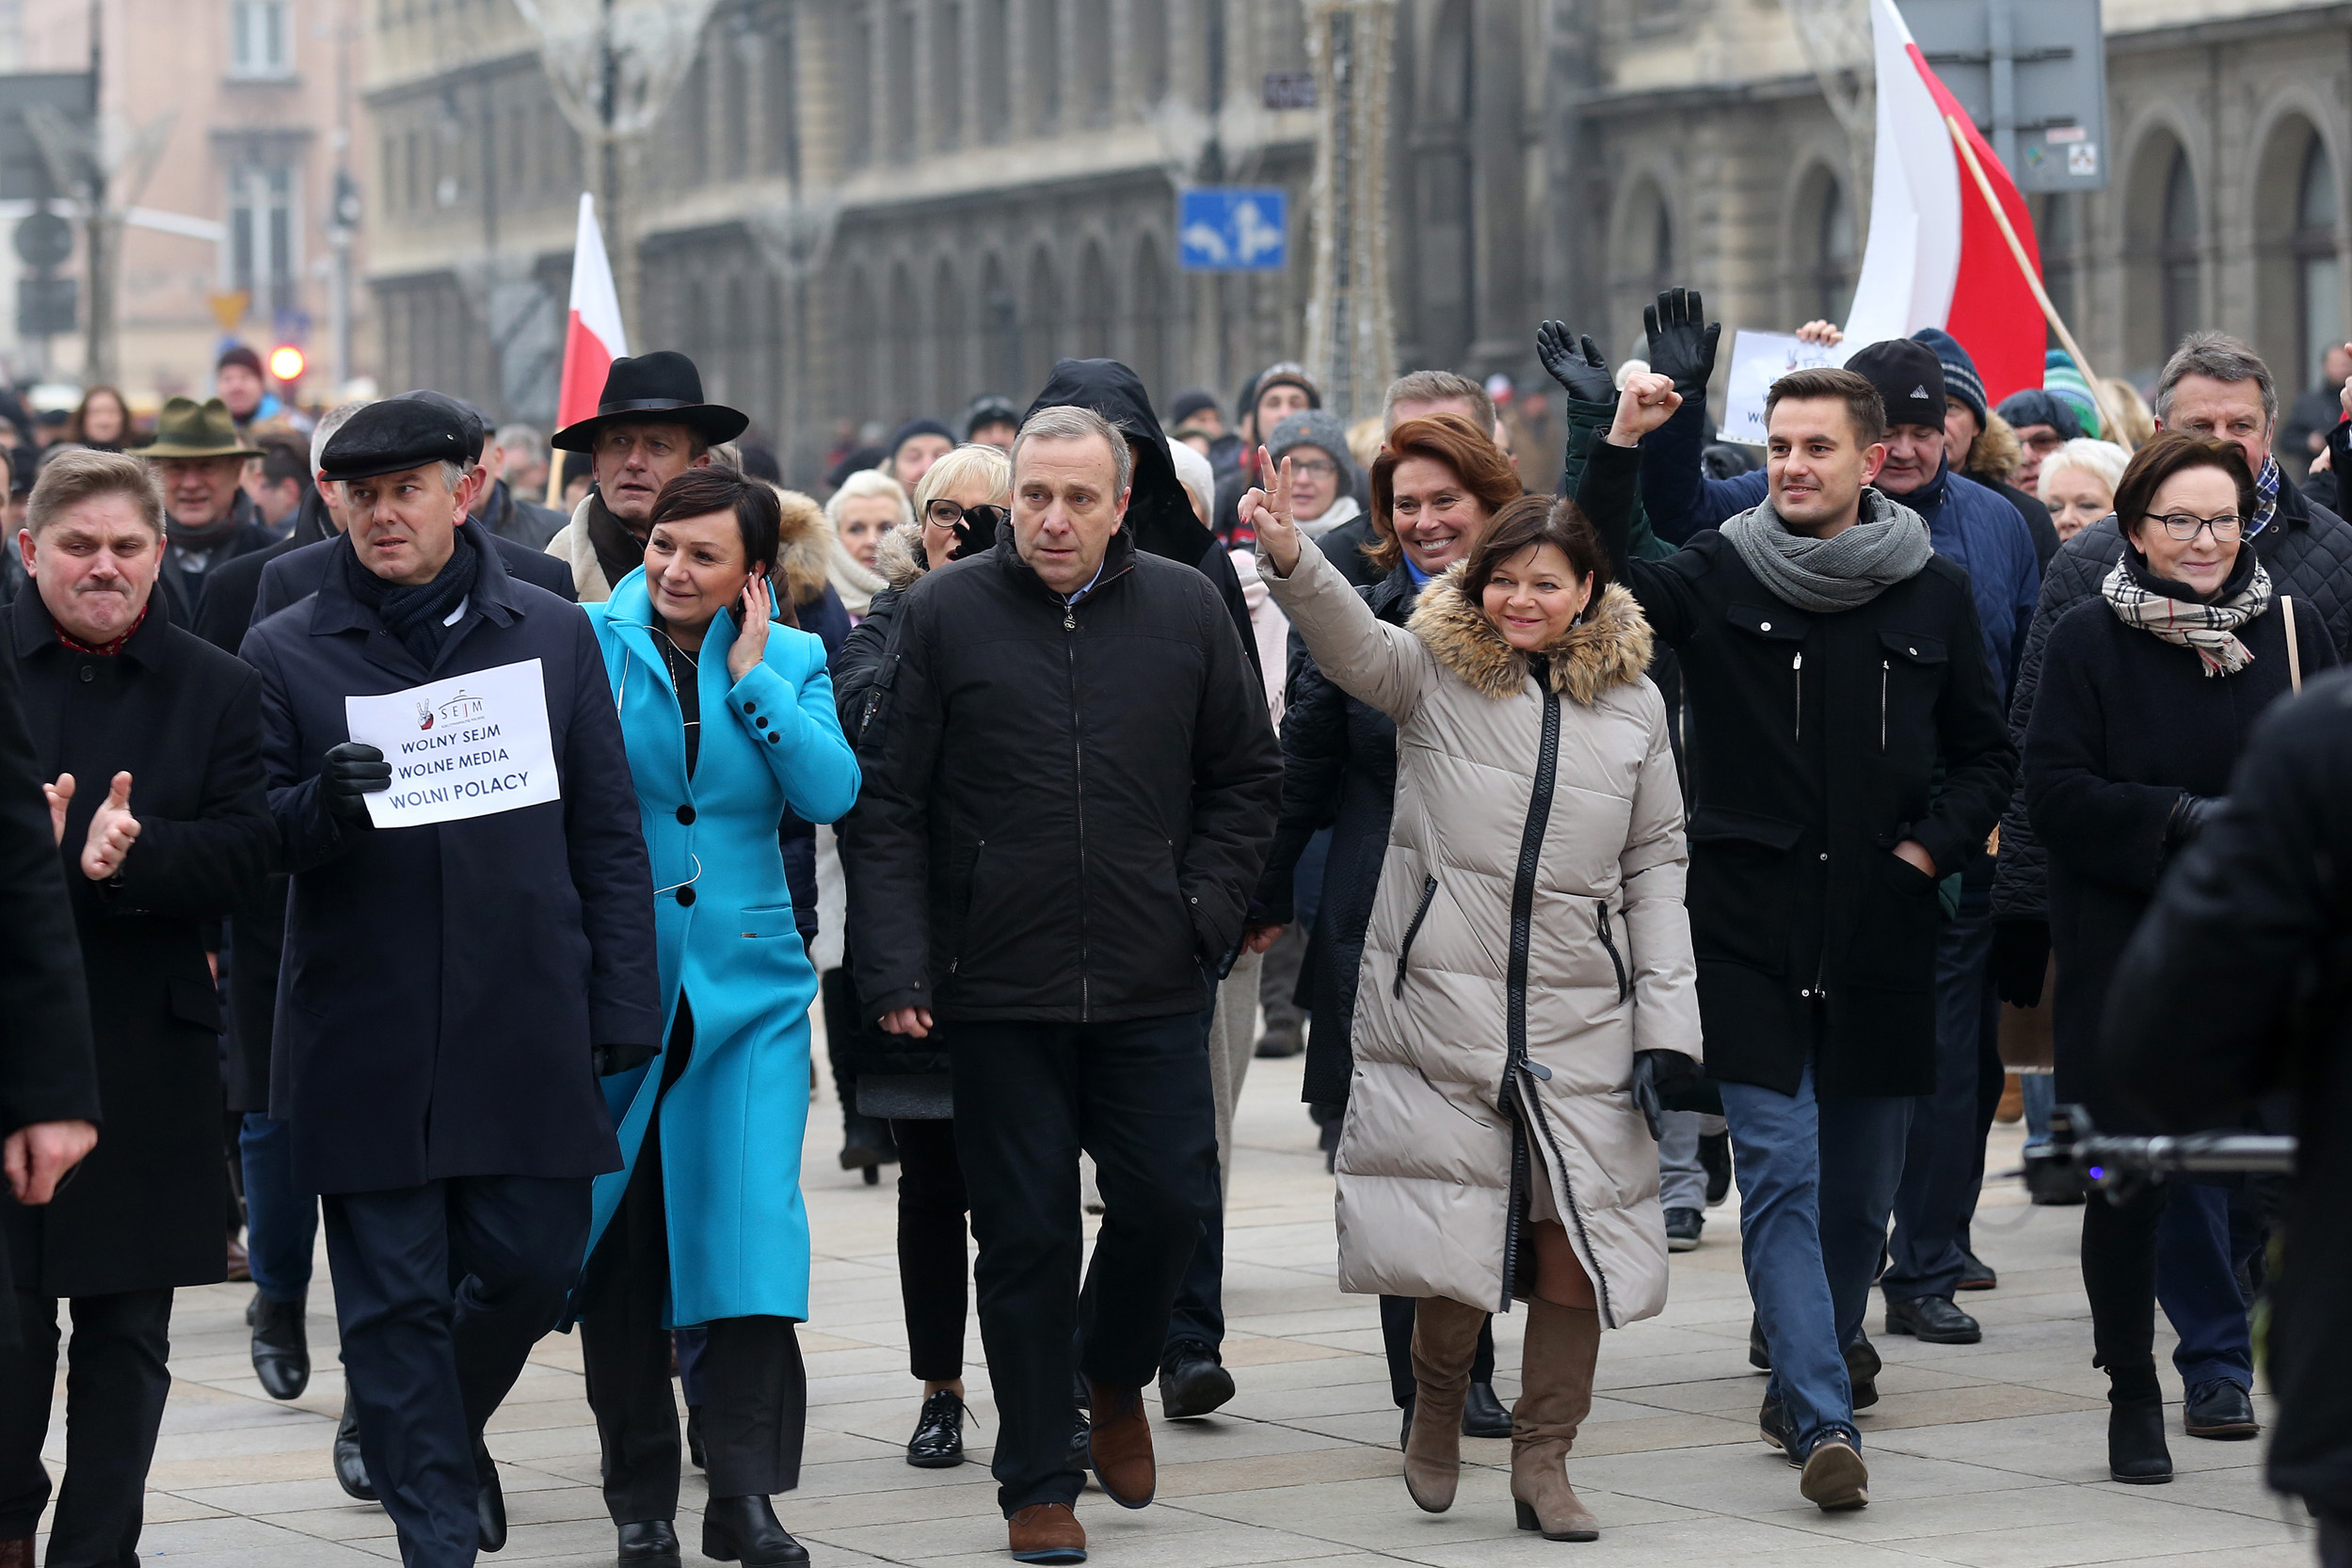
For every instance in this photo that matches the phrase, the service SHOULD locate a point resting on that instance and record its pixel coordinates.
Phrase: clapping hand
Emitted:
(1270, 514)
(112, 831)
(1682, 340)
(1648, 401)
(751, 637)
(60, 797)
(1575, 362)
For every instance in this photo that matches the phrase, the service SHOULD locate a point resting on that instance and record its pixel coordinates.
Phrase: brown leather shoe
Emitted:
(1046, 1532)
(1119, 1435)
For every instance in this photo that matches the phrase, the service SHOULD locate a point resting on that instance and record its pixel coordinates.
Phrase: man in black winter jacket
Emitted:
(1845, 750)
(1071, 786)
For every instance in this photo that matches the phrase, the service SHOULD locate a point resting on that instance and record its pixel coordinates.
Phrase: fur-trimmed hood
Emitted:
(804, 547)
(900, 557)
(1609, 646)
(1995, 455)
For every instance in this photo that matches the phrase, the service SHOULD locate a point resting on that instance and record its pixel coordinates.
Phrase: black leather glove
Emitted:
(1682, 340)
(2190, 816)
(1575, 364)
(2021, 961)
(349, 775)
(1657, 1074)
(609, 1060)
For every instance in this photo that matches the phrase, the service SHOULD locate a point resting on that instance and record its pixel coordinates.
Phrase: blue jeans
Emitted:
(1816, 1181)
(280, 1221)
(2198, 1287)
(1944, 1161)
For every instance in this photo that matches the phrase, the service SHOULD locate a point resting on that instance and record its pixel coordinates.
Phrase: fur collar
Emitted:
(803, 546)
(900, 557)
(1610, 647)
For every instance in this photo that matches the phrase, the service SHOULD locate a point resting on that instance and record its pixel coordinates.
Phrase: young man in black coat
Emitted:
(2235, 989)
(452, 988)
(1846, 751)
(1070, 785)
(150, 744)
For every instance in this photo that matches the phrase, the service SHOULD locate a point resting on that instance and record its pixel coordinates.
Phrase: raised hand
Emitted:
(112, 830)
(751, 637)
(60, 797)
(1648, 401)
(1682, 340)
(1270, 516)
(1575, 362)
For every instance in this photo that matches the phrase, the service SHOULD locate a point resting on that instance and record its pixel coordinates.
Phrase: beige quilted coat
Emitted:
(1426, 1161)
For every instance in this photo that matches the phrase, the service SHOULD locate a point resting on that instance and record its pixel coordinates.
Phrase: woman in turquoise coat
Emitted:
(728, 719)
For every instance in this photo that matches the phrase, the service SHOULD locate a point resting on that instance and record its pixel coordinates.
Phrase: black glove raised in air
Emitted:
(1682, 340)
(1574, 364)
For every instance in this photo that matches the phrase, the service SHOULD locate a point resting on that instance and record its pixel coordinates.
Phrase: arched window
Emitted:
(948, 317)
(905, 334)
(1094, 61)
(2176, 251)
(2318, 268)
(1152, 313)
(1040, 327)
(1094, 305)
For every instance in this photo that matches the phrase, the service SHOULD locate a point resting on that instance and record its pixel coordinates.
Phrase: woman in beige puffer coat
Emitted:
(1528, 946)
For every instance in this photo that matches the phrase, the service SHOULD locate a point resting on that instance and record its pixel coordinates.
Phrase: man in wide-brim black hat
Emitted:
(650, 425)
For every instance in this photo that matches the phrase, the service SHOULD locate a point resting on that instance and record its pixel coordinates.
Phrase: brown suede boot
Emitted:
(1445, 1342)
(1555, 1379)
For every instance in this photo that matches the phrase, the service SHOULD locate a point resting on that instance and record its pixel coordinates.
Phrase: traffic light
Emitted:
(286, 362)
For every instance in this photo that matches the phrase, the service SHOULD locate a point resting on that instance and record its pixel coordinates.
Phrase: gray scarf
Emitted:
(1886, 544)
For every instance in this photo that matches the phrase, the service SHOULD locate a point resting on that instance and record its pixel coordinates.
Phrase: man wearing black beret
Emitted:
(452, 989)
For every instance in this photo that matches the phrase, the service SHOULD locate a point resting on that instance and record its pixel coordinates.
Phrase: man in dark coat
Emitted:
(152, 741)
(453, 987)
(2235, 987)
(1845, 750)
(1070, 784)
(200, 459)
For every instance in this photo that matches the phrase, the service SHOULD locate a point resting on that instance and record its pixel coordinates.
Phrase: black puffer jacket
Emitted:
(1339, 771)
(2308, 550)
(1066, 806)
(2239, 983)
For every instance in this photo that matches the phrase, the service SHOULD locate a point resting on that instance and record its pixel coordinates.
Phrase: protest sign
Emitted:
(468, 746)
(1758, 360)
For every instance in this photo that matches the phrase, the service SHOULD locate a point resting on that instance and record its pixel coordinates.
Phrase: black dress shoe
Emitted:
(1863, 1367)
(693, 1436)
(1191, 1383)
(2135, 1453)
(744, 1530)
(350, 1465)
(1772, 1424)
(650, 1544)
(1482, 1414)
(2221, 1409)
(1932, 1321)
(1976, 1274)
(489, 1502)
(281, 1347)
(939, 1440)
(1715, 1158)
(1082, 1442)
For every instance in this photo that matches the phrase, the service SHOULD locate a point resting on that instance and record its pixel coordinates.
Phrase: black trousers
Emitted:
(756, 1402)
(427, 1364)
(116, 1383)
(1028, 1097)
(2119, 1277)
(933, 1257)
(1396, 1338)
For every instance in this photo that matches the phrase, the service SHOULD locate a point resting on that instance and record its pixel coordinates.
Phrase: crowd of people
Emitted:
(390, 854)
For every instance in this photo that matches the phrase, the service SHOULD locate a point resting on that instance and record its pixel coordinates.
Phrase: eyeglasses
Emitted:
(2186, 526)
(947, 514)
(2045, 443)
(1316, 467)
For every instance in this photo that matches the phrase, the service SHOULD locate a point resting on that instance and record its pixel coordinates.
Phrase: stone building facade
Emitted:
(862, 210)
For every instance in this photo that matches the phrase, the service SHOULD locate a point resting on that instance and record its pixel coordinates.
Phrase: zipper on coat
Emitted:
(1404, 949)
(1078, 792)
(1797, 676)
(1886, 669)
(1534, 1110)
(1600, 925)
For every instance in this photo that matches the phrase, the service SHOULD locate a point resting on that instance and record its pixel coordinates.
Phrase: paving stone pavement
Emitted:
(1991, 1455)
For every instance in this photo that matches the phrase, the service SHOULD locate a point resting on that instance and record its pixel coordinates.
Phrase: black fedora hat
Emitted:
(660, 388)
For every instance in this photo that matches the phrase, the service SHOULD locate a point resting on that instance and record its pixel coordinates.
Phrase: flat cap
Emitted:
(396, 434)
(477, 424)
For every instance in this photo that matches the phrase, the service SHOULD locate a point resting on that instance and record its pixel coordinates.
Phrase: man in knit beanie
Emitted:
(1977, 444)
(2062, 381)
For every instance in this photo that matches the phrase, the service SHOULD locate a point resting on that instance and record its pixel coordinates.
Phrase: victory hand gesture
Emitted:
(1270, 516)
(111, 832)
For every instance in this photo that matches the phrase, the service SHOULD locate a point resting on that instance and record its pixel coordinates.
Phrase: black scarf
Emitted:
(414, 614)
(618, 552)
(210, 535)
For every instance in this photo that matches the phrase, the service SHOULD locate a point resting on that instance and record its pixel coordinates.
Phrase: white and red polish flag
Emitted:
(1936, 256)
(592, 336)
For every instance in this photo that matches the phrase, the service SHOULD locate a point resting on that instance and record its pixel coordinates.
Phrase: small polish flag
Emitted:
(1936, 255)
(592, 337)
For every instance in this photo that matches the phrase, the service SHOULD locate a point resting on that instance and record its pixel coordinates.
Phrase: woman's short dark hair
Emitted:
(2172, 451)
(1447, 439)
(1529, 522)
(712, 487)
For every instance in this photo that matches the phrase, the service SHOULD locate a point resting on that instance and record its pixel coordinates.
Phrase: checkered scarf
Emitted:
(2265, 497)
(2209, 629)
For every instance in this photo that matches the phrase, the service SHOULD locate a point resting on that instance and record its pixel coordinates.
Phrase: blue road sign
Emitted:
(1232, 229)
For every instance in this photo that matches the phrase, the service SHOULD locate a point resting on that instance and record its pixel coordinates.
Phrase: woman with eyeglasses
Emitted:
(728, 720)
(959, 504)
(2148, 694)
(1322, 473)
